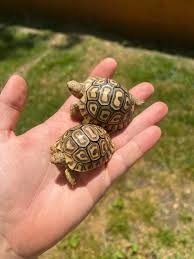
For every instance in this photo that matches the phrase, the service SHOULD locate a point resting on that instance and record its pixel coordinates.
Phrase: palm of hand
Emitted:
(37, 205)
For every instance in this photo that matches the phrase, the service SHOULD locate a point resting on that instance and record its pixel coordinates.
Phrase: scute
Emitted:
(81, 156)
(93, 108)
(116, 118)
(91, 132)
(69, 145)
(103, 147)
(101, 132)
(94, 151)
(127, 103)
(92, 92)
(117, 99)
(100, 81)
(113, 82)
(80, 138)
(105, 95)
(104, 114)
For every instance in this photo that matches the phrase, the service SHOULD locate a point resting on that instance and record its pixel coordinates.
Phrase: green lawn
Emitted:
(149, 212)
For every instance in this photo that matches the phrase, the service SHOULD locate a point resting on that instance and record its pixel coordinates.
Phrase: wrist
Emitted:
(6, 252)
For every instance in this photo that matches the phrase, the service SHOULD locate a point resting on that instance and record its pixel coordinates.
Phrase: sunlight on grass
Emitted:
(148, 213)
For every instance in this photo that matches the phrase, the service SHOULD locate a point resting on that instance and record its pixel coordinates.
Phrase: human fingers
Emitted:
(150, 116)
(126, 156)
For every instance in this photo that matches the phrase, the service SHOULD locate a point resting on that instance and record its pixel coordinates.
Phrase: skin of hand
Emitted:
(37, 206)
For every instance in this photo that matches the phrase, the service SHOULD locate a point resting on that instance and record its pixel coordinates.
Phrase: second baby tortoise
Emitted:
(81, 149)
(103, 102)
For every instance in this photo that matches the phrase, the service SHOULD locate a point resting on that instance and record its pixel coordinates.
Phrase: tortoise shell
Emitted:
(82, 148)
(103, 102)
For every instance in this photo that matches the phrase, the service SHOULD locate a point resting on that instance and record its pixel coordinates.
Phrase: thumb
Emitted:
(12, 102)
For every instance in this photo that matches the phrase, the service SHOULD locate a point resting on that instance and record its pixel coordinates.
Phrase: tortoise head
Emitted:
(57, 156)
(75, 88)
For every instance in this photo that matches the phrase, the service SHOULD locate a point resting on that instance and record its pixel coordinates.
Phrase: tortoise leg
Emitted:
(70, 177)
(86, 120)
(137, 102)
(75, 111)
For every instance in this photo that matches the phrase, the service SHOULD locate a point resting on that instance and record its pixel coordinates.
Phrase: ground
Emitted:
(149, 211)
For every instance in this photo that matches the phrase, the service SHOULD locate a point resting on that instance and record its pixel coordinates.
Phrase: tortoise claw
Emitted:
(70, 177)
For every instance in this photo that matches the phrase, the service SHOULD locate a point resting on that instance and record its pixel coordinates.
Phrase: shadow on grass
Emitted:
(11, 41)
(74, 33)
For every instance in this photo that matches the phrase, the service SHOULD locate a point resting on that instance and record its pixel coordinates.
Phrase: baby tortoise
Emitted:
(81, 149)
(103, 102)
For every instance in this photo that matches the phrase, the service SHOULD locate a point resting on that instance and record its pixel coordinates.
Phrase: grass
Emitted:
(148, 213)
(143, 208)
(166, 236)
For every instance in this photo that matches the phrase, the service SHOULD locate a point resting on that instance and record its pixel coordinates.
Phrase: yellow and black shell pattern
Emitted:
(86, 147)
(106, 103)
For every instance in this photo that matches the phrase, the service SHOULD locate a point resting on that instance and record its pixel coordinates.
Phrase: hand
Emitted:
(37, 206)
